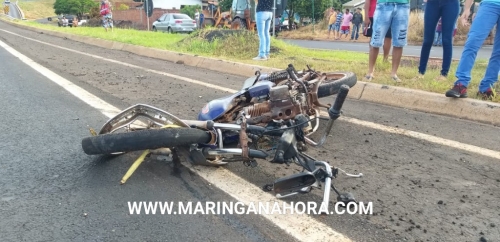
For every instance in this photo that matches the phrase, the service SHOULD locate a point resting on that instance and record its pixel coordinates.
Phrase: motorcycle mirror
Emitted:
(294, 183)
(248, 83)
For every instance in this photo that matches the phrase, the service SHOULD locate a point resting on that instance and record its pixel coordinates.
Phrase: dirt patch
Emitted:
(222, 34)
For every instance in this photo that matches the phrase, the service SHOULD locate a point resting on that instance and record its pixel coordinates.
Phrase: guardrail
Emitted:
(21, 13)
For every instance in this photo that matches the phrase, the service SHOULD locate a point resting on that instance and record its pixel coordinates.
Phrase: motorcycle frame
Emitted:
(161, 118)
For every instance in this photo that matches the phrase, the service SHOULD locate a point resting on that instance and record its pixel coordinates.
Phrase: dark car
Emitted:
(70, 19)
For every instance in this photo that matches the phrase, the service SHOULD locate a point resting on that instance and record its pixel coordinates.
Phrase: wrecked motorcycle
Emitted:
(273, 116)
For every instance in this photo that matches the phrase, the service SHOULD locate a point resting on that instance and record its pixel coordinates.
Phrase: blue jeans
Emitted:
(447, 10)
(394, 16)
(355, 31)
(486, 18)
(263, 21)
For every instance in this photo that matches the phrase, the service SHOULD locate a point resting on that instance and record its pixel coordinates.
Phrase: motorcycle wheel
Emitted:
(143, 139)
(331, 85)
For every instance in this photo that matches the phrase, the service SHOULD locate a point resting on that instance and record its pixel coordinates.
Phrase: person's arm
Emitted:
(466, 13)
(367, 11)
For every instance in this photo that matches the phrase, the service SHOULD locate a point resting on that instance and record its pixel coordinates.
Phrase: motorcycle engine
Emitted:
(283, 104)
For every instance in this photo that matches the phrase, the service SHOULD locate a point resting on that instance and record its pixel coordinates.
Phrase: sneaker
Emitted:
(268, 57)
(259, 58)
(488, 95)
(458, 90)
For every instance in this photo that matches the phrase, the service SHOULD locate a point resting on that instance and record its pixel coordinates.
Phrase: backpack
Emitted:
(104, 9)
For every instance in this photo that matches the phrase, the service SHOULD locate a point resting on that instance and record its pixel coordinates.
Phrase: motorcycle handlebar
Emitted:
(334, 111)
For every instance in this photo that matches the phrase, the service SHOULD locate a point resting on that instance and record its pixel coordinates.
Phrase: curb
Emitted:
(466, 108)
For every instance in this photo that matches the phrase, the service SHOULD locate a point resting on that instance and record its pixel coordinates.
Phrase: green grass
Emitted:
(38, 9)
(243, 47)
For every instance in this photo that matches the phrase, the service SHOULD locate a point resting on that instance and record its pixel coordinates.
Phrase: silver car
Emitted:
(175, 22)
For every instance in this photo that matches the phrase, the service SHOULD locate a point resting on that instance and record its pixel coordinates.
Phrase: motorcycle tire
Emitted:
(332, 86)
(143, 140)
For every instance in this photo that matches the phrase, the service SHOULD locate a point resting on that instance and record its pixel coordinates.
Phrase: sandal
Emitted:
(369, 78)
(396, 79)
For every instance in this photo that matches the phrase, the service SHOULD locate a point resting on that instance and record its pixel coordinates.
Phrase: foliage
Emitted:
(225, 5)
(305, 8)
(190, 10)
(77, 7)
(123, 7)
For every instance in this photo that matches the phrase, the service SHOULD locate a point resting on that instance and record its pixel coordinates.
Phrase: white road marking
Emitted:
(434, 139)
(125, 64)
(302, 227)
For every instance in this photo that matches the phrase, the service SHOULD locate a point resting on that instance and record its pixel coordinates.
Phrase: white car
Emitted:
(7, 1)
(175, 22)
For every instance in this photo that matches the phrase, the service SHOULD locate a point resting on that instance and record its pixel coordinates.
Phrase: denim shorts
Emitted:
(393, 16)
(336, 27)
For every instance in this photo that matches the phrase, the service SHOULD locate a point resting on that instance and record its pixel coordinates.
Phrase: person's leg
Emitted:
(449, 13)
(267, 29)
(357, 31)
(491, 75)
(399, 28)
(110, 22)
(380, 25)
(387, 44)
(486, 17)
(431, 18)
(260, 22)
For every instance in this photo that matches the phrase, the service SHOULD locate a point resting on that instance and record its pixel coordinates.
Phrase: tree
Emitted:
(305, 8)
(225, 5)
(190, 10)
(76, 7)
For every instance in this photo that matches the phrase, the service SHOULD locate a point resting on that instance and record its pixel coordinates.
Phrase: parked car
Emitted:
(175, 22)
(7, 1)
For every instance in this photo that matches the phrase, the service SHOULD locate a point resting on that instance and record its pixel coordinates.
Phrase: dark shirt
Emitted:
(357, 18)
(265, 6)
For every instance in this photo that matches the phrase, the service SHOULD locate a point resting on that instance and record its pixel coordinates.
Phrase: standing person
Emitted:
(370, 6)
(197, 18)
(107, 17)
(331, 21)
(212, 6)
(437, 36)
(357, 20)
(263, 17)
(487, 16)
(346, 23)
(447, 10)
(393, 14)
(202, 17)
(338, 22)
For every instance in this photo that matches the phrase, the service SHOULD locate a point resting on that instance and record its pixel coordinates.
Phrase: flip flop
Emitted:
(396, 79)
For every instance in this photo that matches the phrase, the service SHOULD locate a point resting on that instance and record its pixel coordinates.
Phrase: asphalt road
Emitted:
(436, 51)
(421, 190)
